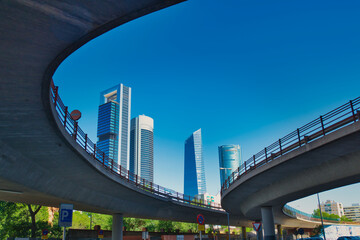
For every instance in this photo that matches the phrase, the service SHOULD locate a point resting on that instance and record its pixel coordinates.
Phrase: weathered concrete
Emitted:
(39, 164)
(327, 163)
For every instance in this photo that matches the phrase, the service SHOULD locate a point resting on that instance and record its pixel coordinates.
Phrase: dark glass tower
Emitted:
(114, 124)
(194, 170)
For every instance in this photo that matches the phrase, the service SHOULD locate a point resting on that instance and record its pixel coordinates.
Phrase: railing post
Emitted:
(245, 166)
(352, 110)
(280, 146)
(128, 176)
(86, 139)
(136, 179)
(112, 164)
(298, 133)
(75, 130)
(120, 170)
(233, 176)
(56, 95)
(65, 117)
(265, 155)
(322, 125)
(103, 158)
(254, 161)
(94, 151)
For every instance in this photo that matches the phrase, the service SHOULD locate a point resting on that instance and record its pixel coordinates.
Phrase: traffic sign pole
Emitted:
(64, 233)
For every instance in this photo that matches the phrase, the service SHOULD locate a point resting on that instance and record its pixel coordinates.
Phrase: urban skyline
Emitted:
(274, 78)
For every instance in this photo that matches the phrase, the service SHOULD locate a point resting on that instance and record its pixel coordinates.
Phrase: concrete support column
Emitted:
(279, 232)
(268, 223)
(243, 233)
(117, 227)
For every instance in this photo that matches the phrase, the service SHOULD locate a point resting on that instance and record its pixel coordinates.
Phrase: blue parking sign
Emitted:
(65, 215)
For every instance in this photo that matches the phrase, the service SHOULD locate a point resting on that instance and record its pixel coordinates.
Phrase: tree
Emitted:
(33, 219)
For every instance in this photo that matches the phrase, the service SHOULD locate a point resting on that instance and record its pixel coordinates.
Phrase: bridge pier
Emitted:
(243, 233)
(279, 232)
(117, 227)
(268, 223)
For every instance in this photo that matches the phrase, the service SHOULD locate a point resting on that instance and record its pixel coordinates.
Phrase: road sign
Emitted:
(301, 231)
(201, 227)
(256, 225)
(101, 233)
(65, 216)
(200, 219)
(75, 115)
(44, 234)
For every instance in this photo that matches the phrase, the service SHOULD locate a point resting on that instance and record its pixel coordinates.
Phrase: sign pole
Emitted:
(64, 233)
(200, 235)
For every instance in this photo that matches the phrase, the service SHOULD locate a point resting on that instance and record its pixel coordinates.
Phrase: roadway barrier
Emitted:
(81, 138)
(330, 122)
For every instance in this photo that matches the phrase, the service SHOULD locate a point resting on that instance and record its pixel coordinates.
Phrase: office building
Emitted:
(142, 147)
(332, 207)
(353, 212)
(208, 199)
(229, 160)
(194, 170)
(114, 124)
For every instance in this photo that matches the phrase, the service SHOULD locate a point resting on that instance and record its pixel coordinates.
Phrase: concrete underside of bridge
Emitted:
(327, 163)
(40, 164)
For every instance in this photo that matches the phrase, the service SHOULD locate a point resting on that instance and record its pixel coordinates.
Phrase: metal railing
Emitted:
(330, 122)
(90, 148)
(295, 213)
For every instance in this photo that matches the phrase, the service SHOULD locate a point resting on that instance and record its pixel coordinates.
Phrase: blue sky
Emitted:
(246, 72)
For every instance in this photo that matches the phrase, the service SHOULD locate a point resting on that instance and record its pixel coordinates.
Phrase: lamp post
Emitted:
(322, 222)
(228, 220)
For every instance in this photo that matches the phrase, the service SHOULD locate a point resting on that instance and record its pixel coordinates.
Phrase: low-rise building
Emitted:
(332, 207)
(353, 212)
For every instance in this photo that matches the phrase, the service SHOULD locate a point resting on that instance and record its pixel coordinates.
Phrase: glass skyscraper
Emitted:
(229, 160)
(194, 176)
(142, 147)
(114, 124)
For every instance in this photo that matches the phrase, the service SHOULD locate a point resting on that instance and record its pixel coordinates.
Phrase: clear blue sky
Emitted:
(245, 71)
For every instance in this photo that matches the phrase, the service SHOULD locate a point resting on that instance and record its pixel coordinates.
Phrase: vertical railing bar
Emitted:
(298, 133)
(280, 147)
(322, 125)
(352, 110)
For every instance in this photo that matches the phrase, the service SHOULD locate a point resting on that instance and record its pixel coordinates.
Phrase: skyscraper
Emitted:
(229, 160)
(194, 176)
(114, 124)
(142, 147)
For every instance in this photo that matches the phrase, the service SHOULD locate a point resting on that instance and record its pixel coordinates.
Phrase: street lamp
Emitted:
(228, 220)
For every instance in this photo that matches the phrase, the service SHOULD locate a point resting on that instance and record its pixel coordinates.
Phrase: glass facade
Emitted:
(142, 147)
(113, 123)
(194, 169)
(229, 160)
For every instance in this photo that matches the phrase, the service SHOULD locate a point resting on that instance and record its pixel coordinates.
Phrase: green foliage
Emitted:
(326, 216)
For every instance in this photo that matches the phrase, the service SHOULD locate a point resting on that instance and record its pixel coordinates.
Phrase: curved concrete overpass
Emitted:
(40, 164)
(326, 163)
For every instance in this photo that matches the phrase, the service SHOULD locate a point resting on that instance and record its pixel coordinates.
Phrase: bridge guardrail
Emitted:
(295, 213)
(81, 138)
(330, 122)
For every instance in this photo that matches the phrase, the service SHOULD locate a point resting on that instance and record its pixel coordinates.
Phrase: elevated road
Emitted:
(40, 164)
